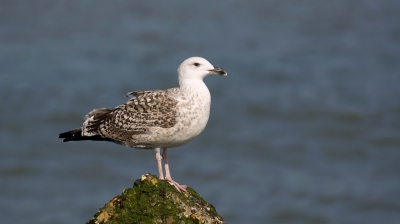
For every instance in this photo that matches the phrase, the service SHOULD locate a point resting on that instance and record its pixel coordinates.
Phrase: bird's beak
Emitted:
(218, 71)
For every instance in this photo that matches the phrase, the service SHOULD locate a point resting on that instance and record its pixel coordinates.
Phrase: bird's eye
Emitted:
(196, 64)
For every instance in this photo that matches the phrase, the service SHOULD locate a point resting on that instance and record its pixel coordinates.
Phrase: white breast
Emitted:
(192, 114)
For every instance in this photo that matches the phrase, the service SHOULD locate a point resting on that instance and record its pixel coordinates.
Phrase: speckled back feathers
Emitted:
(145, 110)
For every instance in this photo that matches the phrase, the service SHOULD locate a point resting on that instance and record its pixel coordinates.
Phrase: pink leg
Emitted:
(168, 177)
(158, 159)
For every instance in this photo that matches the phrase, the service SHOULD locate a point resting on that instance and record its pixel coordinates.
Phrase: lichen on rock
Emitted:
(152, 200)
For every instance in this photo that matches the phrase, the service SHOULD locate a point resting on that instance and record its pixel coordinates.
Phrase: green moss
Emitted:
(155, 201)
(195, 197)
(147, 202)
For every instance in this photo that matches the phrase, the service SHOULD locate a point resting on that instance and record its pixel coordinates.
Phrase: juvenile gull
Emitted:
(157, 119)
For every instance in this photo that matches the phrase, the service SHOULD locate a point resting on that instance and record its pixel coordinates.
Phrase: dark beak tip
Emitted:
(219, 71)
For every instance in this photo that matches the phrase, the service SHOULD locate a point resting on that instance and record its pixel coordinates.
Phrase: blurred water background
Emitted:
(305, 128)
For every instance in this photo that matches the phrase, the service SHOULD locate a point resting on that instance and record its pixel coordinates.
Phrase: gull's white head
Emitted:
(198, 68)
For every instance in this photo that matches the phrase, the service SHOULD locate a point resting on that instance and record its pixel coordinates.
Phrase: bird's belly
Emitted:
(183, 132)
(179, 135)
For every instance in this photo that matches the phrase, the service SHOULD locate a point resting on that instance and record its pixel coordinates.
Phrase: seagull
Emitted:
(155, 119)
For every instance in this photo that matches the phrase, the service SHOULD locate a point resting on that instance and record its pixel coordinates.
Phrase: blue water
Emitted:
(305, 128)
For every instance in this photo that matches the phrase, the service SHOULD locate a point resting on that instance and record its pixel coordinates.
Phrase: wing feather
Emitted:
(144, 110)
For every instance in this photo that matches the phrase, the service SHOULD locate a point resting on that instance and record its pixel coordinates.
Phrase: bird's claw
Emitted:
(179, 188)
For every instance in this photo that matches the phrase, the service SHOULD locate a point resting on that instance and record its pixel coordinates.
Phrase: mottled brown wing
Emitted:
(146, 109)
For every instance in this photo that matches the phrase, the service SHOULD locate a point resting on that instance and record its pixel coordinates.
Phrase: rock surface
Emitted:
(152, 200)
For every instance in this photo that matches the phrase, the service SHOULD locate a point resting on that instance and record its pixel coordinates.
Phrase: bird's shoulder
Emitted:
(145, 109)
(150, 101)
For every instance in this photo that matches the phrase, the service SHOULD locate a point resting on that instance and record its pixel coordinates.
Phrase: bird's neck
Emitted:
(195, 87)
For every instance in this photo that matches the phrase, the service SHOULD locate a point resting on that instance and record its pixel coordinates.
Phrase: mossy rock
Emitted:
(152, 200)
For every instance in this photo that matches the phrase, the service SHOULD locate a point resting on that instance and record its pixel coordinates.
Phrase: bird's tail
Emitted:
(76, 135)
